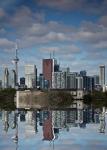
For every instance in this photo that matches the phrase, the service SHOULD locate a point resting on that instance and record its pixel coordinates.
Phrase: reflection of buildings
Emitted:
(22, 116)
(48, 133)
(53, 122)
(48, 67)
(102, 123)
(31, 123)
(59, 119)
(5, 119)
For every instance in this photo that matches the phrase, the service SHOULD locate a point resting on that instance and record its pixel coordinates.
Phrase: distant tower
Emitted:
(102, 75)
(15, 60)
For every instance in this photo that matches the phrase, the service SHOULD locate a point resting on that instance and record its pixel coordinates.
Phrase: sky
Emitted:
(76, 30)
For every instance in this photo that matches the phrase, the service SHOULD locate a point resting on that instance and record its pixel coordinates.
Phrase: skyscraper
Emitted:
(71, 81)
(79, 82)
(83, 73)
(6, 78)
(96, 79)
(48, 68)
(41, 81)
(30, 76)
(12, 79)
(102, 75)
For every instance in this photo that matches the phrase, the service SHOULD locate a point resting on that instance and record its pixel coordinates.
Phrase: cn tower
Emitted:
(15, 60)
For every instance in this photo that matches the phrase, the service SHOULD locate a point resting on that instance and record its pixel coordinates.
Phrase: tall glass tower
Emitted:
(102, 75)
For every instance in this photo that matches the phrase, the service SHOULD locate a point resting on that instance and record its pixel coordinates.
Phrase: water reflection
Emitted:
(48, 125)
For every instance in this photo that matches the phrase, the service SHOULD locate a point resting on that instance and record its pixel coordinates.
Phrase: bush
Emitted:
(7, 98)
(97, 99)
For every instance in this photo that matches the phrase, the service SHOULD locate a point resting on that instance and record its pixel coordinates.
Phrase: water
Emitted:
(53, 130)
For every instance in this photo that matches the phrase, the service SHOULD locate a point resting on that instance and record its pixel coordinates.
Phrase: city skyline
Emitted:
(75, 31)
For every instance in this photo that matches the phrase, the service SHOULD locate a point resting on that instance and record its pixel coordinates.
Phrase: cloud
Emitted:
(6, 44)
(80, 5)
(69, 48)
(2, 13)
(101, 45)
(103, 20)
(24, 17)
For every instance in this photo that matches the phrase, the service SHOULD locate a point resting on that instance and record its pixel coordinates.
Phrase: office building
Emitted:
(102, 75)
(96, 79)
(83, 73)
(48, 68)
(22, 81)
(90, 83)
(41, 81)
(56, 67)
(30, 76)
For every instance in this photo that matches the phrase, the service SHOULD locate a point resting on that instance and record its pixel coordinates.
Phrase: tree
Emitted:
(59, 99)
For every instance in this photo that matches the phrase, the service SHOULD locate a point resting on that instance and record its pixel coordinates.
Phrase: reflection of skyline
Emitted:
(31, 123)
(51, 121)
(60, 127)
(48, 133)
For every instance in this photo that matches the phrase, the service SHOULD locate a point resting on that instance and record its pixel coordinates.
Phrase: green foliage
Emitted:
(97, 99)
(7, 98)
(87, 99)
(59, 99)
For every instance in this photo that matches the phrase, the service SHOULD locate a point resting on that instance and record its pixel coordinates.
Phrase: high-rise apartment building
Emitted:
(59, 80)
(102, 75)
(30, 76)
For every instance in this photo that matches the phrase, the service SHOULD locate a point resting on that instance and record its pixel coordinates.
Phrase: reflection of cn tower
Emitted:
(15, 60)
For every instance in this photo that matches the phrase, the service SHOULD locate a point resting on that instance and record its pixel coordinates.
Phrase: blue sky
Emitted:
(75, 29)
